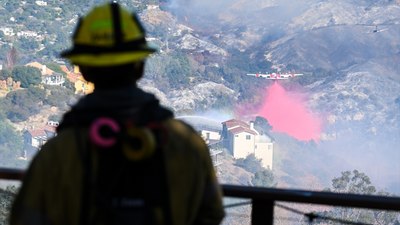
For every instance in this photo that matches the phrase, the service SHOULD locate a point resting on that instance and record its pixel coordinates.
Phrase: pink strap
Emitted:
(95, 135)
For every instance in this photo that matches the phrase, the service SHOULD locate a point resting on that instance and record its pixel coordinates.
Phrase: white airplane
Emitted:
(275, 76)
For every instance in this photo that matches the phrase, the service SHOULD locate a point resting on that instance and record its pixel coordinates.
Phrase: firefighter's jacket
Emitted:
(51, 191)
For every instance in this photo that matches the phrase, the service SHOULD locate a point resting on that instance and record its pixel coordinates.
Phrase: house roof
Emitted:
(50, 128)
(235, 123)
(238, 130)
(41, 67)
(65, 69)
(37, 132)
(73, 77)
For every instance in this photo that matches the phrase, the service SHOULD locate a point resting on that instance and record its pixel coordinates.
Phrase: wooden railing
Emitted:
(263, 200)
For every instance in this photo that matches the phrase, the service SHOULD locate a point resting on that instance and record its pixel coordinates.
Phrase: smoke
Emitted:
(288, 113)
(245, 12)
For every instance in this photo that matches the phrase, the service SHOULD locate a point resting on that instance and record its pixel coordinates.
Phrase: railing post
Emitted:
(262, 212)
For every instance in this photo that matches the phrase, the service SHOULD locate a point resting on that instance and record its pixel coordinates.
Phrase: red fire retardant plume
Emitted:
(289, 114)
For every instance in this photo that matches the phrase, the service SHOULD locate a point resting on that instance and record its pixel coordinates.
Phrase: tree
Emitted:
(358, 183)
(6, 199)
(262, 125)
(11, 144)
(59, 97)
(178, 70)
(27, 75)
(4, 74)
(28, 44)
(19, 105)
(264, 178)
(250, 163)
(352, 182)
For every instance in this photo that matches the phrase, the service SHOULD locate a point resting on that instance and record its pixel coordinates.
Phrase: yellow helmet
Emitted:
(108, 35)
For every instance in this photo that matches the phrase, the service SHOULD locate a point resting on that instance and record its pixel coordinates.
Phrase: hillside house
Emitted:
(7, 31)
(34, 138)
(27, 34)
(81, 85)
(41, 3)
(241, 140)
(48, 76)
(210, 131)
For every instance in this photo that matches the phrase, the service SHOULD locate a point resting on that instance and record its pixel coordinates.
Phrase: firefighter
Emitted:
(119, 157)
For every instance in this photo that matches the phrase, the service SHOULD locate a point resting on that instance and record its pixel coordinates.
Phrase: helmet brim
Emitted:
(104, 58)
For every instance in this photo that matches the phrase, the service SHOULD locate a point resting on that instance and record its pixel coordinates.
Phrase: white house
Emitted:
(210, 135)
(48, 76)
(264, 150)
(41, 3)
(210, 130)
(35, 137)
(27, 33)
(241, 140)
(7, 31)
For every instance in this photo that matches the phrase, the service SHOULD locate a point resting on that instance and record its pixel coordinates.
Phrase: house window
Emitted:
(248, 137)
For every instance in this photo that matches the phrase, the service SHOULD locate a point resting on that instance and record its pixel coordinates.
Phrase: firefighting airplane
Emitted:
(275, 76)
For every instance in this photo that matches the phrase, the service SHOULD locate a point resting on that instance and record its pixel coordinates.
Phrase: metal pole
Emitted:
(262, 212)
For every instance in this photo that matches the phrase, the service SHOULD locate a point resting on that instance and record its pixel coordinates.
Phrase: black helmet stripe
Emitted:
(136, 45)
(116, 17)
(78, 26)
(137, 22)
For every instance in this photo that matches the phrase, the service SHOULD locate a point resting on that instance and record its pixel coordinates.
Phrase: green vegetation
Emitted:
(352, 182)
(27, 75)
(170, 70)
(262, 125)
(11, 145)
(359, 183)
(262, 177)
(6, 198)
(4, 74)
(19, 105)
(59, 97)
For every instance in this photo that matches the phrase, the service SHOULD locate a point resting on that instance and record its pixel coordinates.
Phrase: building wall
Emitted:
(83, 87)
(53, 80)
(243, 145)
(265, 152)
(210, 135)
(37, 142)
